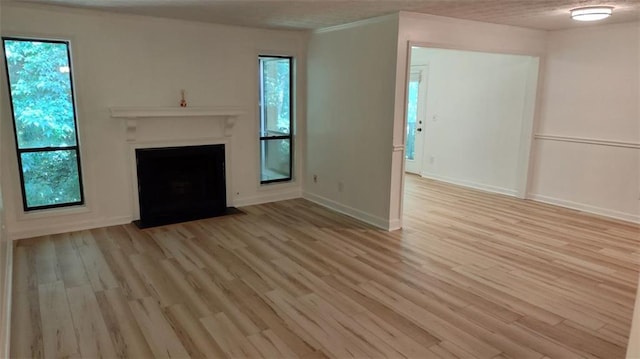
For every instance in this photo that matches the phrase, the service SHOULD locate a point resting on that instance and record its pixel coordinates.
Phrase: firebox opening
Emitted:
(178, 184)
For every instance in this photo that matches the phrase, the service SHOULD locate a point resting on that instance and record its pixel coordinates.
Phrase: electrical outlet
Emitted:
(432, 159)
(315, 178)
(340, 186)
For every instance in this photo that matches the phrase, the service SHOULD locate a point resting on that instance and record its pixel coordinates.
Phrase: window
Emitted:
(276, 113)
(44, 122)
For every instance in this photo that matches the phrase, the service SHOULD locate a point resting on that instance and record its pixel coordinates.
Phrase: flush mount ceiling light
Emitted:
(591, 13)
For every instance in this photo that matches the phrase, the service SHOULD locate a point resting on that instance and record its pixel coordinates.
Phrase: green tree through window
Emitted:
(275, 119)
(42, 101)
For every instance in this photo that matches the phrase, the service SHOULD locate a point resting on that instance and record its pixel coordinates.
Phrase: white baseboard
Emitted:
(64, 227)
(471, 184)
(395, 224)
(349, 211)
(5, 330)
(628, 217)
(268, 196)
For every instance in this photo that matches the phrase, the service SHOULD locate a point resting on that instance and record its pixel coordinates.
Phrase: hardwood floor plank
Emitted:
(26, 325)
(502, 295)
(158, 283)
(589, 344)
(47, 269)
(438, 351)
(303, 258)
(59, 338)
(26, 322)
(128, 340)
(120, 237)
(173, 245)
(208, 260)
(339, 319)
(270, 346)
(142, 242)
(457, 351)
(91, 332)
(128, 278)
(332, 338)
(393, 320)
(189, 296)
(101, 238)
(399, 341)
(319, 286)
(192, 333)
(68, 260)
(95, 266)
(25, 276)
(221, 235)
(229, 337)
(439, 327)
(271, 275)
(256, 306)
(518, 334)
(222, 302)
(157, 331)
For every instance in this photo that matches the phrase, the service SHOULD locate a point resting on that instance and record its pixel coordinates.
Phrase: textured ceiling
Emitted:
(315, 14)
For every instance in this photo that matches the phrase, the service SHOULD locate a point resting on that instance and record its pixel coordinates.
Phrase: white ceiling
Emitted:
(315, 14)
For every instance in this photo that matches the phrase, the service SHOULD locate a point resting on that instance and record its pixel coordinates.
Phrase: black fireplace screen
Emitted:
(177, 184)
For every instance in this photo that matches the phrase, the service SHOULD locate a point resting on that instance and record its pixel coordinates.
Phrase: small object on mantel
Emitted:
(183, 101)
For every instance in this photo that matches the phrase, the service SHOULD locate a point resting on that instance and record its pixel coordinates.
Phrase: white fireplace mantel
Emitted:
(133, 114)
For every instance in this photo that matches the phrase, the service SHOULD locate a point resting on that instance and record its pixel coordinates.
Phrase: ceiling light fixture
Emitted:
(591, 13)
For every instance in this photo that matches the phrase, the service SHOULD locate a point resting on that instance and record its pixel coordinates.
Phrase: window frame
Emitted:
(19, 151)
(261, 110)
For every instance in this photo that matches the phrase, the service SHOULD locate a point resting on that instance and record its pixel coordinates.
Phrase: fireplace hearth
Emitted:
(178, 184)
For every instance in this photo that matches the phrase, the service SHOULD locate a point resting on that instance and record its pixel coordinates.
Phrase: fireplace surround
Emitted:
(169, 127)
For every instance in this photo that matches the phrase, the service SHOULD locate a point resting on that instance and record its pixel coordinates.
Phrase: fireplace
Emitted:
(178, 184)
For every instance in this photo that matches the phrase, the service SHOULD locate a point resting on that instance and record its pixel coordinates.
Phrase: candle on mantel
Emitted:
(183, 101)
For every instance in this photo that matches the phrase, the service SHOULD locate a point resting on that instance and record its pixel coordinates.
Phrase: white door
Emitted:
(416, 110)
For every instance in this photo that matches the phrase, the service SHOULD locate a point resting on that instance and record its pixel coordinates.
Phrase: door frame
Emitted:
(527, 155)
(422, 70)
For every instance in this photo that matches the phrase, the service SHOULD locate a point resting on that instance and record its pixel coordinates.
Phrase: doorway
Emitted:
(469, 118)
(416, 108)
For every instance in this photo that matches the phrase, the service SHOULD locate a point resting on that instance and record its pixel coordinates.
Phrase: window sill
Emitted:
(277, 185)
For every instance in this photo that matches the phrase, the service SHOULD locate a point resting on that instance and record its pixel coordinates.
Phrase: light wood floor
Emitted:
(473, 275)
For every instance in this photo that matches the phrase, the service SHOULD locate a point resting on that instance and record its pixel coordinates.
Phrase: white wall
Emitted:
(351, 77)
(442, 32)
(591, 92)
(122, 60)
(475, 115)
